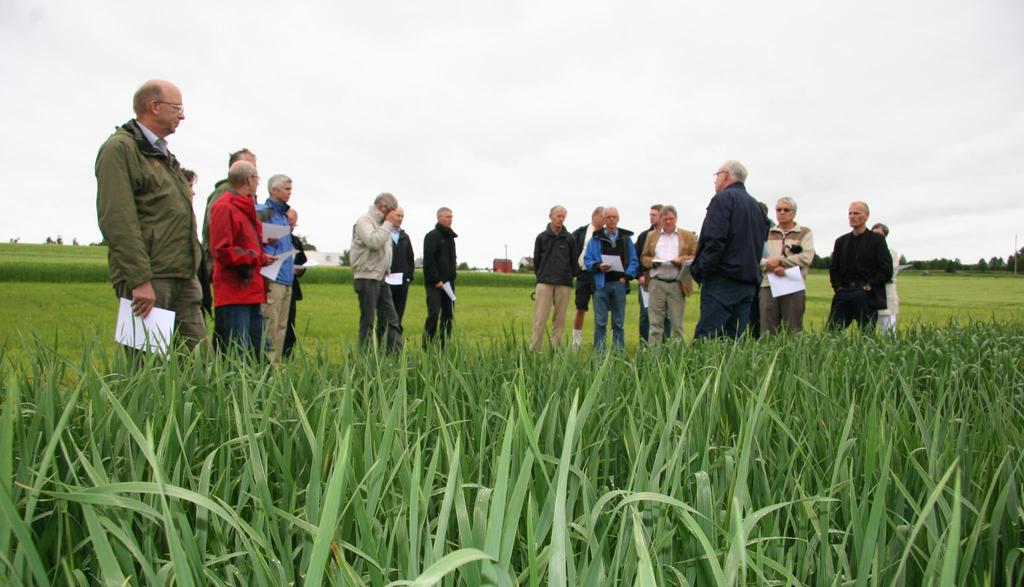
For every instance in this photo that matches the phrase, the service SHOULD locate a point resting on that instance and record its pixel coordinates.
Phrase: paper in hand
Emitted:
(645, 297)
(278, 231)
(271, 271)
(613, 261)
(393, 278)
(790, 282)
(447, 287)
(152, 333)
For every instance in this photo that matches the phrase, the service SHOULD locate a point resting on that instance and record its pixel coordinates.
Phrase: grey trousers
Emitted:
(666, 298)
(786, 311)
(375, 303)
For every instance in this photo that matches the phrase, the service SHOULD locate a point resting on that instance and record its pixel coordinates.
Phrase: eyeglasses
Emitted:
(783, 209)
(179, 108)
(717, 173)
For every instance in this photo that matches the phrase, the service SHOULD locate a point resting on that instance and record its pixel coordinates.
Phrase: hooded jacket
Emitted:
(552, 257)
(235, 237)
(144, 207)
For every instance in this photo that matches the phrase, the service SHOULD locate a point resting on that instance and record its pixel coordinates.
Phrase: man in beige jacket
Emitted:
(664, 255)
(370, 256)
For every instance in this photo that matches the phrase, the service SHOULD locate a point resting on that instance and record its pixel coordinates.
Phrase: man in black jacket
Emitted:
(728, 258)
(299, 268)
(861, 266)
(584, 280)
(553, 266)
(438, 270)
(403, 262)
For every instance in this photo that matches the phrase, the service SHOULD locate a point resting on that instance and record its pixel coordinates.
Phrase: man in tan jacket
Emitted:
(664, 255)
(371, 260)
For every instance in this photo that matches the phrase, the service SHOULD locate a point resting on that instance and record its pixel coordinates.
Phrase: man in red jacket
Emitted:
(235, 237)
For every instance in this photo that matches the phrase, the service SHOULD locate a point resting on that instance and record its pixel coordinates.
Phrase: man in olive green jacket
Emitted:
(144, 205)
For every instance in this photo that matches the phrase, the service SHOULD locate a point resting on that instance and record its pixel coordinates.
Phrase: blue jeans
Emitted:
(241, 327)
(610, 298)
(724, 308)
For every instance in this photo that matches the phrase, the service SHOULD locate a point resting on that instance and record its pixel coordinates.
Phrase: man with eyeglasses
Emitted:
(144, 208)
(789, 245)
(728, 254)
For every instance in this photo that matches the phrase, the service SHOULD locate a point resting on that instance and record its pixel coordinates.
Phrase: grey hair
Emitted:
(556, 207)
(669, 209)
(598, 210)
(735, 169)
(387, 200)
(442, 210)
(862, 205)
(608, 209)
(787, 200)
(147, 92)
(240, 173)
(277, 181)
(885, 229)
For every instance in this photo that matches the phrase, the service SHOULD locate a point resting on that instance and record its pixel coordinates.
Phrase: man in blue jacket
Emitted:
(279, 291)
(728, 258)
(610, 281)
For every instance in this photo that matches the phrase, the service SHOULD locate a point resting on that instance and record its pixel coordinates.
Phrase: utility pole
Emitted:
(506, 248)
(1016, 255)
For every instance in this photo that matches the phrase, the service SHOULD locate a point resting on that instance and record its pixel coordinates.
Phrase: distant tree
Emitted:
(60, 240)
(306, 245)
(74, 241)
(982, 265)
(50, 241)
(345, 258)
(997, 264)
(15, 240)
(463, 266)
(903, 260)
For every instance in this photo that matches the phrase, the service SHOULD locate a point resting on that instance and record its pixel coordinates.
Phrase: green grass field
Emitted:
(59, 294)
(821, 459)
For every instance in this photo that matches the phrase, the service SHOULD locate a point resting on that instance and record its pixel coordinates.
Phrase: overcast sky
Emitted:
(501, 109)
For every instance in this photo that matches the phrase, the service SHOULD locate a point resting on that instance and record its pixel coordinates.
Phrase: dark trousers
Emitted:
(375, 304)
(852, 304)
(205, 276)
(241, 328)
(289, 333)
(400, 295)
(439, 315)
(724, 308)
(755, 314)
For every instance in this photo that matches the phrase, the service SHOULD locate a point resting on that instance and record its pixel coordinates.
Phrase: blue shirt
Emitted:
(273, 212)
(152, 138)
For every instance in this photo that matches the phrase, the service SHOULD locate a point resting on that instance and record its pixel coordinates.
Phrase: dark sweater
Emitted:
(860, 259)
(552, 257)
(732, 238)
(403, 260)
(439, 256)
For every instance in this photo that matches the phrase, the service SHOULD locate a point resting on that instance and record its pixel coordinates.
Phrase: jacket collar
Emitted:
(619, 232)
(445, 231)
(550, 232)
(277, 206)
(145, 147)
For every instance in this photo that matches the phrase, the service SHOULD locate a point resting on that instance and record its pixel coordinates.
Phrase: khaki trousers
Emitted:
(182, 296)
(549, 297)
(787, 311)
(665, 296)
(275, 319)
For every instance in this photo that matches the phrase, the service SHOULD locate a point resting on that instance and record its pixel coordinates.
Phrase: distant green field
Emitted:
(36, 281)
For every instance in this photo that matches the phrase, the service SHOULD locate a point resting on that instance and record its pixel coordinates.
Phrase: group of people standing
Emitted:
(144, 207)
(737, 252)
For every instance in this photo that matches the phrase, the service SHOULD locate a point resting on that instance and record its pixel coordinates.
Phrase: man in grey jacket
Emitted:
(371, 259)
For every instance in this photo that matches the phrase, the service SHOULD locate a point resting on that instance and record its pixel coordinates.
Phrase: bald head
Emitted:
(292, 216)
(158, 107)
(243, 178)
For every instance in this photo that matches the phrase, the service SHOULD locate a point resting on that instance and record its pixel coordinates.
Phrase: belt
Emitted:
(665, 280)
(856, 285)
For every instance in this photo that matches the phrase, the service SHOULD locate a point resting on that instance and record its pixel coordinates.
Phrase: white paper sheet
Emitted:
(277, 231)
(271, 271)
(645, 297)
(309, 262)
(152, 333)
(447, 287)
(614, 261)
(790, 282)
(393, 279)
